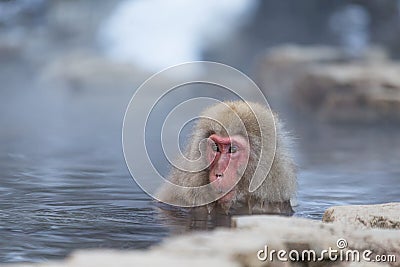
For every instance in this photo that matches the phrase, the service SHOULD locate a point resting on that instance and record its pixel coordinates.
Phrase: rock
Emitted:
(250, 237)
(279, 67)
(81, 71)
(302, 234)
(99, 258)
(290, 54)
(386, 216)
(324, 81)
(350, 92)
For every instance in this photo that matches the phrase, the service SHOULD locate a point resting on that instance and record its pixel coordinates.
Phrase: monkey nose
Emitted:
(219, 175)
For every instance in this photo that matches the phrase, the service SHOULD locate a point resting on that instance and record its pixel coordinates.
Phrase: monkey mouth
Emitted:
(220, 186)
(219, 189)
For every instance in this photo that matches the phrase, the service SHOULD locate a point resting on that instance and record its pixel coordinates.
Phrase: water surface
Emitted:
(64, 184)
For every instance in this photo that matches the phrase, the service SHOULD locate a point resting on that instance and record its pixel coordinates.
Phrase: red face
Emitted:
(227, 155)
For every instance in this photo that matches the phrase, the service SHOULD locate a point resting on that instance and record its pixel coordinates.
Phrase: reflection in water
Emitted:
(190, 219)
(64, 184)
(186, 220)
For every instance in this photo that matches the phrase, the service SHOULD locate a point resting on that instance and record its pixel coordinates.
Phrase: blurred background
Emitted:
(68, 69)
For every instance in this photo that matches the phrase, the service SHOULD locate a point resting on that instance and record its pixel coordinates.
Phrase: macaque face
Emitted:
(226, 156)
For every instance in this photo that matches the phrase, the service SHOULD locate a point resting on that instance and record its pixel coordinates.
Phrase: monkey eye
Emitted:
(215, 147)
(233, 149)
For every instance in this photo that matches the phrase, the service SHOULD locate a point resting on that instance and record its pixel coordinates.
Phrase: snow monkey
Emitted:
(232, 143)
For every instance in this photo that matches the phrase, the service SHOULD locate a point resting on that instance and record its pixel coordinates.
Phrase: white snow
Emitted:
(156, 34)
